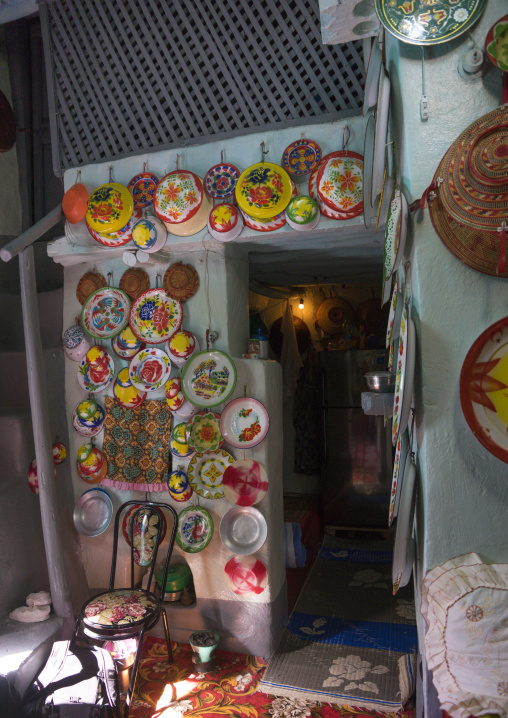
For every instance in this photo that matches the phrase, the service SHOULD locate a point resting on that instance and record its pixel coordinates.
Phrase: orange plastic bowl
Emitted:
(75, 203)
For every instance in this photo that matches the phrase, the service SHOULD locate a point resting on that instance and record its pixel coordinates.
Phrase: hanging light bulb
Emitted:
(300, 306)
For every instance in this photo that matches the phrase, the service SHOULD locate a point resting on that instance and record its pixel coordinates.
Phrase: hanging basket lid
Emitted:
(332, 313)
(181, 281)
(471, 202)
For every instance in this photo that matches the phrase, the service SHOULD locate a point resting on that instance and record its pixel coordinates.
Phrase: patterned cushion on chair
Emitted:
(121, 607)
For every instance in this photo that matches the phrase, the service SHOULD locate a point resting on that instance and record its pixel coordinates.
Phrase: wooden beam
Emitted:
(31, 235)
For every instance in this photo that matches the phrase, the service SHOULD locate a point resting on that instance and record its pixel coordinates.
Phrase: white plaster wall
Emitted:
(462, 489)
(10, 199)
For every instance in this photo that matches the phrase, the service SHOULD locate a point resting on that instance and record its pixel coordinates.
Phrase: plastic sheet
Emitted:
(377, 403)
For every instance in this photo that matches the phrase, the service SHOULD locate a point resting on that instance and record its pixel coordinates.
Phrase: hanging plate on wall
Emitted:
(369, 213)
(484, 386)
(263, 190)
(208, 378)
(244, 423)
(301, 157)
(405, 368)
(246, 575)
(395, 232)
(404, 545)
(105, 313)
(154, 316)
(372, 77)
(205, 472)
(398, 467)
(420, 23)
(379, 156)
(332, 313)
(181, 281)
(195, 529)
(339, 182)
(496, 43)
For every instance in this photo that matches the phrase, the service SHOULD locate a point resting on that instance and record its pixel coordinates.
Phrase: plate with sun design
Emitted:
(205, 473)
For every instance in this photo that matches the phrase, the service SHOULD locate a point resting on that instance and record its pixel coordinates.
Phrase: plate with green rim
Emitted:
(208, 378)
(195, 529)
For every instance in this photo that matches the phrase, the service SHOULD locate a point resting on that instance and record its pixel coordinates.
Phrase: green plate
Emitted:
(418, 23)
(195, 529)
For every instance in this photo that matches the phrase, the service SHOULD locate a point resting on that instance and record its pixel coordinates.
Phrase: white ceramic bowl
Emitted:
(149, 234)
(225, 222)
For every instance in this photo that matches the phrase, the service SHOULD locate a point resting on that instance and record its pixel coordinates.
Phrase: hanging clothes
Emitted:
(307, 418)
(290, 356)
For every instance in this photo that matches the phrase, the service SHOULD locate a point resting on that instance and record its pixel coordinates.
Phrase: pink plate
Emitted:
(244, 423)
(245, 483)
(245, 575)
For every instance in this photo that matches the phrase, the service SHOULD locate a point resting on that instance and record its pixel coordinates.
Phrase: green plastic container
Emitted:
(178, 578)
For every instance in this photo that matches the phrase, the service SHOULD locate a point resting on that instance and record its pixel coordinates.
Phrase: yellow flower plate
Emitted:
(263, 190)
(110, 208)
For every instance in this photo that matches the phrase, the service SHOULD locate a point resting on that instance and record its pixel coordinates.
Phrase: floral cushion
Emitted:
(119, 608)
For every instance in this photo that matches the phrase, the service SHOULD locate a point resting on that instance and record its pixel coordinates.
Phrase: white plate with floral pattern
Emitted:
(244, 423)
(395, 232)
(405, 376)
(149, 370)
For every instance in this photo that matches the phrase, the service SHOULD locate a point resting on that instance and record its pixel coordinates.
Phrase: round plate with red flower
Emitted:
(325, 211)
(149, 370)
(109, 208)
(483, 389)
(142, 188)
(178, 196)
(154, 316)
(203, 432)
(116, 239)
(340, 181)
(263, 190)
(301, 157)
(244, 423)
(220, 180)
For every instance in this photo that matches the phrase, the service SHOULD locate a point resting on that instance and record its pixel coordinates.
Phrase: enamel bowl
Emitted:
(75, 342)
(302, 213)
(196, 223)
(181, 346)
(149, 234)
(110, 207)
(178, 197)
(225, 222)
(243, 530)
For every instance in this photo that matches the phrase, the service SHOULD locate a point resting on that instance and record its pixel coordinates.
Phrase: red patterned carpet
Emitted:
(171, 691)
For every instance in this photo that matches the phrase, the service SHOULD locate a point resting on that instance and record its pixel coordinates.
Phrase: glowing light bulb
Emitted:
(300, 306)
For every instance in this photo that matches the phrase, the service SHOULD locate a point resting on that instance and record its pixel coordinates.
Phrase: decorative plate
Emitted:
(154, 316)
(301, 157)
(208, 378)
(90, 413)
(182, 345)
(149, 234)
(89, 283)
(245, 482)
(496, 43)
(325, 211)
(220, 180)
(195, 529)
(401, 450)
(59, 453)
(263, 190)
(125, 393)
(203, 432)
(404, 545)
(33, 481)
(340, 182)
(93, 512)
(223, 219)
(419, 23)
(332, 313)
(178, 196)
(205, 473)
(181, 281)
(395, 232)
(146, 525)
(483, 389)
(149, 370)
(126, 345)
(178, 444)
(379, 156)
(405, 376)
(246, 575)
(87, 383)
(73, 336)
(105, 313)
(391, 318)
(110, 207)
(117, 239)
(142, 188)
(275, 223)
(243, 530)
(302, 210)
(244, 423)
(179, 487)
(372, 77)
(179, 433)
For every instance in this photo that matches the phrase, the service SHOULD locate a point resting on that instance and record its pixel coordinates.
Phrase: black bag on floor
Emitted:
(76, 682)
(10, 700)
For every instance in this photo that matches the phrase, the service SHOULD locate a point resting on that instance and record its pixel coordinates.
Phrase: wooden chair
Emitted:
(128, 612)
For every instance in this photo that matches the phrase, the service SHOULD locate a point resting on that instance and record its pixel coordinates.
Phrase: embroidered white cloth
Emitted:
(465, 605)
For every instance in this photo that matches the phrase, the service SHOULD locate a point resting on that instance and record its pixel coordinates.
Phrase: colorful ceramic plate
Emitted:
(245, 482)
(181, 281)
(125, 345)
(117, 239)
(146, 525)
(178, 444)
(125, 393)
(369, 214)
(105, 313)
(93, 512)
(483, 389)
(398, 467)
(405, 376)
(419, 23)
(182, 346)
(178, 196)
(391, 317)
(195, 529)
(134, 281)
(220, 180)
(379, 156)
(275, 223)
(110, 207)
(340, 181)
(372, 77)
(84, 376)
(154, 316)
(404, 545)
(142, 188)
(90, 427)
(245, 575)
(205, 473)
(244, 423)
(325, 211)
(243, 530)
(203, 432)
(263, 190)
(208, 378)
(301, 157)
(225, 222)
(496, 43)
(149, 370)
(89, 283)
(395, 232)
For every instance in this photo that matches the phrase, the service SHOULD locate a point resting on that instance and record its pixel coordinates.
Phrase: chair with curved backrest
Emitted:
(130, 612)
